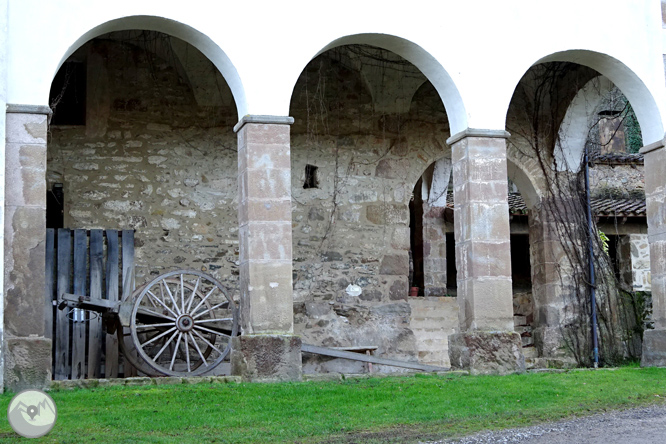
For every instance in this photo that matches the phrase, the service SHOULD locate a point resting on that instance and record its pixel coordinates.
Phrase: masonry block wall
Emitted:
(151, 158)
(353, 228)
(158, 156)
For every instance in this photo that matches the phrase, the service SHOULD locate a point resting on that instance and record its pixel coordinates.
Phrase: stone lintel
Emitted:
(262, 119)
(654, 348)
(266, 358)
(476, 132)
(29, 109)
(654, 146)
(487, 352)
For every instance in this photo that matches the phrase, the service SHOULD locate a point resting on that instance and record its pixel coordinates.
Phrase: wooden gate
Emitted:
(99, 263)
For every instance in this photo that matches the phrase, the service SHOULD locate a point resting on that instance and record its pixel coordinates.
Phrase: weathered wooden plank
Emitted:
(128, 263)
(111, 359)
(50, 282)
(61, 361)
(128, 283)
(78, 315)
(95, 320)
(307, 348)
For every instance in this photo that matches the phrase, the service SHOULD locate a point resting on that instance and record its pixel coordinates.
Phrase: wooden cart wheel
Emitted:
(182, 323)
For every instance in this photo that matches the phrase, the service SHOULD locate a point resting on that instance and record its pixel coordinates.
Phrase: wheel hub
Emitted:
(185, 323)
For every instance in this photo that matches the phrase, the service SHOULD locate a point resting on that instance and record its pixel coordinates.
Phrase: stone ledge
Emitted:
(262, 119)
(141, 381)
(28, 109)
(476, 132)
(651, 147)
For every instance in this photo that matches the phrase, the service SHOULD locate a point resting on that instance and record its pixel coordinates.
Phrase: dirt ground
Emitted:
(646, 425)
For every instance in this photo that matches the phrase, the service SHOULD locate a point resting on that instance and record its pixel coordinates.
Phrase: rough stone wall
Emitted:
(622, 181)
(151, 159)
(634, 262)
(354, 228)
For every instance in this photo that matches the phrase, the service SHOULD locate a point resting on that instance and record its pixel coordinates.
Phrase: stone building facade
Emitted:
(292, 168)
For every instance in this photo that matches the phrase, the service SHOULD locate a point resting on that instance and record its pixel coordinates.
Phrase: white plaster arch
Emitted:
(517, 174)
(176, 29)
(424, 61)
(639, 95)
(575, 127)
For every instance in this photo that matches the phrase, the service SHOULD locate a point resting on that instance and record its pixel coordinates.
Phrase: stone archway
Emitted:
(26, 153)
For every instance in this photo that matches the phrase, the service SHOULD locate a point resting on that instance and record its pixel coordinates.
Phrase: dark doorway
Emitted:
(55, 209)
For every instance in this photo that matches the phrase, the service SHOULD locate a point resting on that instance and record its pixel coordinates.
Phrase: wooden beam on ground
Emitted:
(307, 348)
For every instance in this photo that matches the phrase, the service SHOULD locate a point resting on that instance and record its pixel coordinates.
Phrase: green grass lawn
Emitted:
(391, 409)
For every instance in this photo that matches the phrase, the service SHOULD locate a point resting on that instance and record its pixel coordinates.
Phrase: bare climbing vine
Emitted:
(546, 92)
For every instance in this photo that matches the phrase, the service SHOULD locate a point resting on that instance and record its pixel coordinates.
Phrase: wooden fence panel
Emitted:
(128, 283)
(111, 363)
(76, 259)
(61, 341)
(94, 319)
(78, 316)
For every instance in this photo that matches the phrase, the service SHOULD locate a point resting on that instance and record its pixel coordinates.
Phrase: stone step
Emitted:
(523, 329)
(431, 324)
(434, 314)
(527, 340)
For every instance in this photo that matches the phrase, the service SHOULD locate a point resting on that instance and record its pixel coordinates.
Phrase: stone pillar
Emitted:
(434, 231)
(550, 278)
(27, 350)
(633, 258)
(654, 341)
(267, 348)
(486, 342)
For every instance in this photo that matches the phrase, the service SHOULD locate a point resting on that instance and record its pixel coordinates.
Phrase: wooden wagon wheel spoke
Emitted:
(171, 336)
(150, 293)
(206, 341)
(211, 309)
(187, 354)
(203, 300)
(145, 311)
(203, 359)
(154, 326)
(219, 333)
(143, 344)
(173, 301)
(175, 352)
(182, 294)
(165, 346)
(194, 292)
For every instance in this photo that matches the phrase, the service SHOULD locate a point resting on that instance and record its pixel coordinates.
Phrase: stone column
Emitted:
(27, 352)
(654, 341)
(267, 348)
(486, 342)
(434, 231)
(551, 277)
(633, 258)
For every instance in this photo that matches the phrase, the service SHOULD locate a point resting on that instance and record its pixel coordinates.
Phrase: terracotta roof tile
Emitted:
(603, 207)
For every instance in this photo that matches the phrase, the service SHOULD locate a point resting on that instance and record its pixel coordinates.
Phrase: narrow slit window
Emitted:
(311, 177)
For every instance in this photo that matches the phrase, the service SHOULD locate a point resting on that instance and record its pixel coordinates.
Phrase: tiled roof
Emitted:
(613, 207)
(616, 159)
(602, 207)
